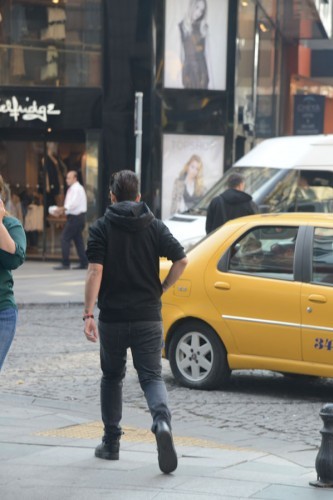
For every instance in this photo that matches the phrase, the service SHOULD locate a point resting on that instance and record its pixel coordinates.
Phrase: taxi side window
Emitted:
(322, 256)
(267, 252)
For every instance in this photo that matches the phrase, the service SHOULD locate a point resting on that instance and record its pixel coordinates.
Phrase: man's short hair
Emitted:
(124, 185)
(235, 180)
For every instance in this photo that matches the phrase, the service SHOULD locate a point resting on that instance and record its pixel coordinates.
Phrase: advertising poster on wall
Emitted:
(195, 45)
(191, 165)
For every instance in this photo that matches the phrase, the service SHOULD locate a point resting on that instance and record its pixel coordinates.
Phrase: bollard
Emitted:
(324, 460)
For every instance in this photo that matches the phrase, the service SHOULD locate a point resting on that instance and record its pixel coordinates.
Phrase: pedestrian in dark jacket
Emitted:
(233, 203)
(124, 248)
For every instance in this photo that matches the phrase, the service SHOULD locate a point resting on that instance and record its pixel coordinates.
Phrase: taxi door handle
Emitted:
(222, 285)
(317, 298)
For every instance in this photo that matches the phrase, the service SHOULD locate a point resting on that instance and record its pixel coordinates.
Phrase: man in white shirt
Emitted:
(75, 208)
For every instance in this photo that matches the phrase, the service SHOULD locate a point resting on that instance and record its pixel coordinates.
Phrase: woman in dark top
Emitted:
(193, 34)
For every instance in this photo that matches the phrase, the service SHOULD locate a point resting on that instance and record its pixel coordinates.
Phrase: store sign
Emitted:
(309, 114)
(28, 111)
(40, 109)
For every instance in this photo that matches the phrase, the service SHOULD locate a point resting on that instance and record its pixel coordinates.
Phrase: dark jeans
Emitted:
(145, 338)
(73, 231)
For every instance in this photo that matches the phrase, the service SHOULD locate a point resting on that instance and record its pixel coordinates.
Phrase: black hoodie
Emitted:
(229, 205)
(129, 241)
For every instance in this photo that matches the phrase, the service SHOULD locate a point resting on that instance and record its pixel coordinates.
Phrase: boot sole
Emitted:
(107, 456)
(167, 457)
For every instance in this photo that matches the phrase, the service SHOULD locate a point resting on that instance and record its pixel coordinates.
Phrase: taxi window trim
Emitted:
(301, 264)
(309, 246)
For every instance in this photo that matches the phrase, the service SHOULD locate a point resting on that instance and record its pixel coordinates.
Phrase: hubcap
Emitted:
(194, 356)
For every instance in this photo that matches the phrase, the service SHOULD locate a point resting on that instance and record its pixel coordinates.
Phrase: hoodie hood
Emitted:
(130, 215)
(235, 197)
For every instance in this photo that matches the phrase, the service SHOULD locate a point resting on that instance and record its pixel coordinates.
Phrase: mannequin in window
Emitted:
(52, 184)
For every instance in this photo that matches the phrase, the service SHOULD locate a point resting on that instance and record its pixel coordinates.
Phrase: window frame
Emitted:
(224, 262)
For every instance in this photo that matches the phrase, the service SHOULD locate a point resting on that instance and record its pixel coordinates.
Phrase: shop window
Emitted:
(50, 44)
(38, 181)
(257, 73)
(244, 69)
(270, 7)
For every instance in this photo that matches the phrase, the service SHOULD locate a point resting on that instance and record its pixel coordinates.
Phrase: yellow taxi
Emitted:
(256, 294)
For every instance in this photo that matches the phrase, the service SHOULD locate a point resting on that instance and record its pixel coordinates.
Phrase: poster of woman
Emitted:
(195, 43)
(191, 165)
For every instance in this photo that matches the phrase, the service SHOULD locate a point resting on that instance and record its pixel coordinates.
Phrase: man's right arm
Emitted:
(93, 284)
(96, 249)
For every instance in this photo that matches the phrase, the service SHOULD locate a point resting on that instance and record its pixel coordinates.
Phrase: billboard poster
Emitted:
(195, 44)
(191, 165)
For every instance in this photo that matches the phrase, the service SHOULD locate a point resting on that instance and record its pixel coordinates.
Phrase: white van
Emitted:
(284, 174)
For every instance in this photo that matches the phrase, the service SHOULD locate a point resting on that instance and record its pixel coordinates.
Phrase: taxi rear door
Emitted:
(317, 296)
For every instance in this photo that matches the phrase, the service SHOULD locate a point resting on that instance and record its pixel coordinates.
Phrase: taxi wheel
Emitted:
(197, 357)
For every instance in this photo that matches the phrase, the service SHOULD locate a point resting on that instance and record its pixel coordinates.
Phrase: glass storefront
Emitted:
(267, 83)
(50, 43)
(50, 111)
(244, 119)
(258, 73)
(35, 173)
(270, 7)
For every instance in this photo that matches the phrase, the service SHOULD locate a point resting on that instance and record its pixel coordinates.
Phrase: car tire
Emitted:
(197, 357)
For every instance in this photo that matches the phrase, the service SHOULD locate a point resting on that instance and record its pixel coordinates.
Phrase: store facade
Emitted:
(272, 62)
(50, 110)
(215, 77)
(213, 108)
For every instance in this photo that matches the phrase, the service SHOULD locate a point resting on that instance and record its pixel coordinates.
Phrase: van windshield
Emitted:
(255, 179)
(278, 190)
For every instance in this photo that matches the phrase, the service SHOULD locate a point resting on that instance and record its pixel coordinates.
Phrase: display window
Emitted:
(50, 43)
(244, 119)
(258, 75)
(35, 174)
(267, 78)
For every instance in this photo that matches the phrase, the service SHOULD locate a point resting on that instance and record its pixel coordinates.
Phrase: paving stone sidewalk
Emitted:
(50, 421)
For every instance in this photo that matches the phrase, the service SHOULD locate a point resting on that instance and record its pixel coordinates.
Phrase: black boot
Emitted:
(167, 457)
(109, 448)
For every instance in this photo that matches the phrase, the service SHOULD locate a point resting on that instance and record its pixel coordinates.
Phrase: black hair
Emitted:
(235, 180)
(124, 185)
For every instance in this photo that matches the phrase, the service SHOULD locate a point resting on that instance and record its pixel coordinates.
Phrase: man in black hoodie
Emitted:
(229, 205)
(124, 249)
